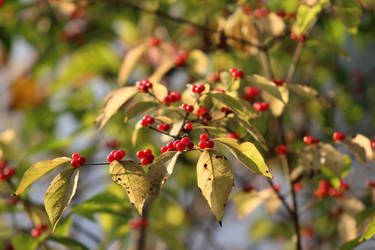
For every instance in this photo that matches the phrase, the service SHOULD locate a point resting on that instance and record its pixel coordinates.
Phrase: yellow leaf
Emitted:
(266, 85)
(159, 90)
(248, 154)
(361, 147)
(215, 180)
(254, 132)
(131, 176)
(277, 106)
(199, 61)
(130, 59)
(163, 69)
(347, 227)
(114, 101)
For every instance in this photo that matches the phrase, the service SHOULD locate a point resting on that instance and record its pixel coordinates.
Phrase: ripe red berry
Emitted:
(147, 151)
(278, 82)
(344, 185)
(291, 15)
(9, 172)
(3, 164)
(190, 145)
(112, 143)
(150, 120)
(140, 154)
(251, 93)
(233, 135)
(2, 2)
(261, 106)
(82, 160)
(281, 13)
(371, 184)
(202, 111)
(164, 149)
(144, 161)
(181, 58)
(75, 163)
(277, 187)
(220, 90)
(281, 150)
(202, 144)
(189, 126)
(36, 232)
(176, 95)
(11, 201)
(189, 108)
(2, 177)
(204, 137)
(175, 143)
(247, 188)
(337, 136)
(167, 127)
(122, 152)
(117, 156)
(210, 144)
(180, 146)
(294, 36)
(161, 127)
(214, 77)
(75, 156)
(110, 158)
(150, 158)
(154, 41)
(247, 9)
(310, 140)
(372, 144)
(258, 13)
(297, 186)
(185, 140)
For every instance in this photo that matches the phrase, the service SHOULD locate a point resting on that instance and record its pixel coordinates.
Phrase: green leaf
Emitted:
(370, 231)
(306, 92)
(229, 101)
(137, 109)
(37, 214)
(364, 214)
(38, 170)
(130, 60)
(131, 176)
(329, 46)
(349, 13)
(114, 101)
(349, 245)
(24, 242)
(60, 193)
(160, 170)
(305, 14)
(215, 180)
(253, 131)
(68, 242)
(266, 85)
(248, 154)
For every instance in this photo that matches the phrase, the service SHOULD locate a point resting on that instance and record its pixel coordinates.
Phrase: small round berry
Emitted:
(9, 172)
(170, 145)
(202, 144)
(2, 177)
(110, 158)
(189, 108)
(190, 145)
(233, 136)
(147, 151)
(167, 127)
(281, 150)
(210, 144)
(251, 93)
(75, 163)
(122, 152)
(36, 232)
(112, 143)
(161, 127)
(175, 143)
(297, 186)
(180, 146)
(258, 13)
(144, 161)
(372, 144)
(3, 164)
(281, 13)
(82, 160)
(203, 137)
(184, 106)
(189, 126)
(277, 187)
(144, 123)
(164, 149)
(371, 184)
(177, 95)
(150, 120)
(75, 156)
(167, 99)
(118, 156)
(185, 140)
(257, 106)
(140, 154)
(154, 41)
(233, 70)
(201, 88)
(278, 82)
(344, 185)
(150, 158)
(337, 136)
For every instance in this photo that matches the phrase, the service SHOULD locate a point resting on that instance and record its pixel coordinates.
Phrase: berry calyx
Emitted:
(281, 150)
(261, 106)
(154, 41)
(310, 140)
(278, 82)
(337, 136)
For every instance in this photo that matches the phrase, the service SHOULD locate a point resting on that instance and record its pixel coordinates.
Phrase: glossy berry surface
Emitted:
(337, 136)
(281, 150)
(251, 93)
(261, 106)
(310, 140)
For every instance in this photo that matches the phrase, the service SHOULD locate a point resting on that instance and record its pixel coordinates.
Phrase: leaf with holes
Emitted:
(114, 101)
(130, 60)
(60, 193)
(131, 176)
(38, 170)
(160, 170)
(215, 180)
(248, 154)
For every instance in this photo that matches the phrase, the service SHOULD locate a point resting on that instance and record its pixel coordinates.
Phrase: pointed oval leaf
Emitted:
(277, 106)
(114, 101)
(138, 108)
(246, 202)
(248, 154)
(38, 170)
(229, 101)
(370, 231)
(160, 170)
(24, 242)
(361, 147)
(60, 193)
(254, 132)
(215, 180)
(130, 59)
(161, 71)
(266, 85)
(131, 176)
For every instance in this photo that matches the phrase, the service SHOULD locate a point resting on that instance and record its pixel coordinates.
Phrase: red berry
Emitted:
(117, 156)
(201, 88)
(147, 151)
(281, 150)
(144, 123)
(170, 145)
(140, 154)
(36, 232)
(281, 13)
(9, 172)
(144, 161)
(143, 222)
(75, 163)
(202, 144)
(112, 143)
(310, 140)
(150, 120)
(161, 127)
(2, 2)
(176, 95)
(167, 127)
(233, 136)
(372, 144)
(164, 149)
(277, 187)
(189, 108)
(82, 160)
(190, 145)
(204, 137)
(337, 136)
(371, 184)
(233, 70)
(175, 143)
(265, 106)
(122, 152)
(247, 188)
(202, 111)
(167, 99)
(11, 201)
(247, 9)
(210, 144)
(297, 186)
(189, 126)
(2, 177)
(150, 158)
(75, 156)
(110, 158)
(220, 90)
(344, 185)
(3, 164)
(278, 82)
(154, 41)
(185, 140)
(294, 36)
(258, 13)
(291, 15)
(214, 77)
(181, 58)
(258, 106)
(251, 93)
(180, 146)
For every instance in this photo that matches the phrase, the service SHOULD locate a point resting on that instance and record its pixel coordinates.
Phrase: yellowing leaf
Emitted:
(277, 106)
(361, 148)
(305, 14)
(215, 180)
(254, 132)
(38, 170)
(114, 101)
(163, 69)
(37, 214)
(347, 227)
(60, 193)
(351, 205)
(7, 136)
(248, 154)
(138, 126)
(159, 90)
(349, 12)
(131, 58)
(266, 85)
(131, 176)
(160, 170)
(199, 61)
(370, 231)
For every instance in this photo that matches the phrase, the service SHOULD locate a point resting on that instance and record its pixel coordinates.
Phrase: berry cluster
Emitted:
(261, 106)
(116, 155)
(11, 201)
(145, 156)
(297, 186)
(172, 97)
(77, 160)
(205, 142)
(204, 113)
(164, 127)
(181, 58)
(247, 188)
(147, 121)
(154, 41)
(337, 136)
(144, 85)
(310, 140)
(112, 143)
(326, 189)
(139, 223)
(251, 93)
(298, 38)
(281, 150)
(198, 88)
(371, 184)
(260, 13)
(278, 82)
(214, 77)
(236, 73)
(178, 145)
(38, 230)
(5, 172)
(188, 108)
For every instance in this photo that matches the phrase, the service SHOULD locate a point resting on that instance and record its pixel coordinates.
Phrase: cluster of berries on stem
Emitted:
(337, 136)
(6, 172)
(281, 150)
(251, 93)
(236, 73)
(187, 108)
(179, 145)
(181, 58)
(261, 106)
(309, 140)
(144, 85)
(145, 156)
(147, 121)
(77, 160)
(198, 88)
(205, 142)
(172, 97)
(116, 155)
(326, 189)
(38, 230)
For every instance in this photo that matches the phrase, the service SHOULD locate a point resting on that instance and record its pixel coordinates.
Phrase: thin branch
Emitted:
(161, 132)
